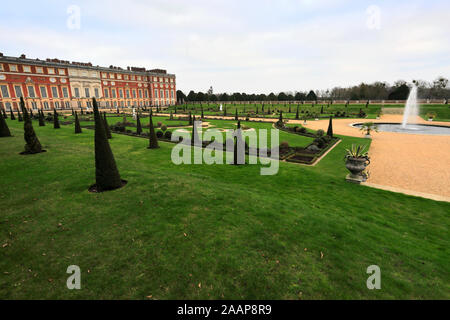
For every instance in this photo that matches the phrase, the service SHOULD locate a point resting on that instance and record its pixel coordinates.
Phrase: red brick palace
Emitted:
(57, 84)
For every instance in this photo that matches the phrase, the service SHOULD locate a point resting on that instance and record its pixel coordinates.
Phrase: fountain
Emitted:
(408, 124)
(411, 108)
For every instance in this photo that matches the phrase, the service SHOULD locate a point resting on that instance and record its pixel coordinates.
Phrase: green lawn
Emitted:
(204, 232)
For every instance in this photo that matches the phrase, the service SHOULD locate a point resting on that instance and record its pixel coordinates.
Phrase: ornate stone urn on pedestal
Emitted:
(356, 162)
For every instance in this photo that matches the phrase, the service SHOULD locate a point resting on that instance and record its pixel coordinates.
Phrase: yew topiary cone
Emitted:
(330, 128)
(41, 118)
(138, 125)
(55, 120)
(4, 130)
(77, 124)
(153, 142)
(32, 145)
(106, 174)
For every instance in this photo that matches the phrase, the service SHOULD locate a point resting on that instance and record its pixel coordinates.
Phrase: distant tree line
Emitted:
(437, 89)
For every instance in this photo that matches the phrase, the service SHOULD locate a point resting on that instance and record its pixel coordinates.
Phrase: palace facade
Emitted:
(58, 84)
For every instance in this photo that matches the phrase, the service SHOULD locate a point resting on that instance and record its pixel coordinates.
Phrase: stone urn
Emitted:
(356, 166)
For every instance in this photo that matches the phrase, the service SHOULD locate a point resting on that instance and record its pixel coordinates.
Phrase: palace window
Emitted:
(65, 92)
(128, 93)
(119, 76)
(13, 67)
(43, 92)
(67, 104)
(77, 92)
(113, 93)
(51, 71)
(56, 105)
(8, 106)
(146, 94)
(46, 105)
(34, 105)
(97, 94)
(120, 93)
(125, 77)
(134, 93)
(104, 75)
(31, 92)
(86, 92)
(140, 93)
(171, 94)
(5, 91)
(111, 75)
(107, 104)
(18, 90)
(54, 92)
(39, 70)
(1, 67)
(161, 94)
(132, 78)
(61, 72)
(26, 69)
(106, 93)
(139, 78)
(156, 93)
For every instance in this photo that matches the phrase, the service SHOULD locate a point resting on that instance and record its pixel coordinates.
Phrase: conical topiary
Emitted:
(202, 113)
(190, 118)
(237, 138)
(236, 115)
(77, 124)
(19, 115)
(13, 117)
(32, 145)
(55, 120)
(107, 176)
(41, 118)
(107, 128)
(138, 125)
(153, 141)
(4, 130)
(194, 132)
(296, 114)
(330, 128)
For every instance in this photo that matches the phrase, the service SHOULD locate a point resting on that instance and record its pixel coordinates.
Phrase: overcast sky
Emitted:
(254, 46)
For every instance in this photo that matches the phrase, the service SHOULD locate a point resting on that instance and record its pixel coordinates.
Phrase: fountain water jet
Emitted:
(411, 108)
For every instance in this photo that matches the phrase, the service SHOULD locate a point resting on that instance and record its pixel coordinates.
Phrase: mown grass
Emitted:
(207, 231)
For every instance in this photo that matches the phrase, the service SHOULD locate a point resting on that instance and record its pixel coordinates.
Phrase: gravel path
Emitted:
(410, 162)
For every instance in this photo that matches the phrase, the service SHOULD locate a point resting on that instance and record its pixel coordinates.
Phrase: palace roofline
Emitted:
(82, 65)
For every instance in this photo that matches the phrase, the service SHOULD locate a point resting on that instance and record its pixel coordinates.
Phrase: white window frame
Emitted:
(53, 92)
(45, 90)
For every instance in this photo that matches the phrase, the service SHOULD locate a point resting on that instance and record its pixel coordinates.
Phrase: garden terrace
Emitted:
(174, 231)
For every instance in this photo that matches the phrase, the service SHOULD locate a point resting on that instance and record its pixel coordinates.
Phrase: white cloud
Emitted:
(251, 46)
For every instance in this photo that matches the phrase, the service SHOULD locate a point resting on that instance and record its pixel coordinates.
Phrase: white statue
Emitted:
(134, 114)
(220, 108)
